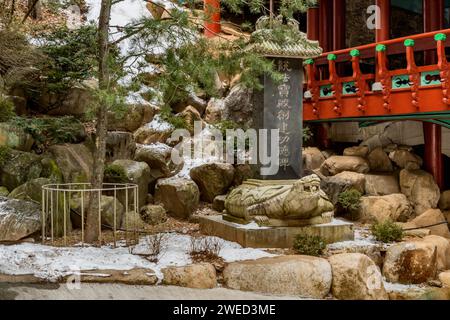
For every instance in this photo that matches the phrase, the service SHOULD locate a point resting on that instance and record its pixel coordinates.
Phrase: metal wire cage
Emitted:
(58, 201)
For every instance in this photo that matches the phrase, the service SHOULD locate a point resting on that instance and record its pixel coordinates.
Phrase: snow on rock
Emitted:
(159, 125)
(51, 263)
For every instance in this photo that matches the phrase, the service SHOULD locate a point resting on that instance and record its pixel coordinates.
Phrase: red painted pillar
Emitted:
(212, 20)
(312, 19)
(325, 24)
(384, 32)
(433, 20)
(338, 25)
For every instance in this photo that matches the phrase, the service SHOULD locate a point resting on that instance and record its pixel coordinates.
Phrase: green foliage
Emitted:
(6, 109)
(286, 7)
(387, 231)
(176, 121)
(309, 245)
(112, 99)
(224, 125)
(115, 174)
(47, 131)
(307, 134)
(4, 154)
(73, 56)
(349, 202)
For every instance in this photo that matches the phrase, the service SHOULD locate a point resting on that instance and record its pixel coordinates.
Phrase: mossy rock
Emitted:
(15, 137)
(19, 168)
(32, 191)
(4, 192)
(74, 160)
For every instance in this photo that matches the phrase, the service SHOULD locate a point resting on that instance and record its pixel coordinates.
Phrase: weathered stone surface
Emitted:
(312, 158)
(406, 159)
(219, 203)
(242, 172)
(155, 131)
(198, 276)
(119, 145)
(442, 250)
(239, 106)
(18, 219)
(19, 168)
(213, 179)
(356, 277)
(107, 211)
(357, 151)
(395, 207)
(381, 185)
(179, 196)
(444, 277)
(301, 200)
(153, 214)
(190, 116)
(444, 201)
(335, 185)
(136, 276)
(428, 218)
(74, 160)
(379, 161)
(30, 190)
(137, 173)
(15, 137)
(215, 110)
(303, 276)
(158, 157)
(336, 164)
(134, 117)
(420, 188)
(75, 102)
(410, 262)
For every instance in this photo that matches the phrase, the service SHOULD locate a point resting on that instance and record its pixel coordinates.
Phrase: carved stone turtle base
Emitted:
(264, 221)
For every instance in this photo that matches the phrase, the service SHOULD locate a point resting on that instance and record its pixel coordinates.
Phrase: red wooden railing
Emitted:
(413, 90)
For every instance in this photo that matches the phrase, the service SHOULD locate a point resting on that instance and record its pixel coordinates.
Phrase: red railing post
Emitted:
(312, 85)
(360, 83)
(414, 76)
(336, 86)
(384, 76)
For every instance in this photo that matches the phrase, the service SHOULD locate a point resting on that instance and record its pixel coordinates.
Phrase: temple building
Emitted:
(384, 71)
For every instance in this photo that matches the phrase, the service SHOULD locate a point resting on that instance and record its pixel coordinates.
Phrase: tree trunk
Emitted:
(34, 9)
(92, 219)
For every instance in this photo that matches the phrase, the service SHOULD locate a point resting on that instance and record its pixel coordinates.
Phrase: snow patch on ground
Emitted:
(397, 287)
(159, 125)
(51, 263)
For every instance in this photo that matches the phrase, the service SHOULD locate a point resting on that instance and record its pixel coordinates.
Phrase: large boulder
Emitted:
(190, 115)
(74, 160)
(304, 276)
(213, 179)
(336, 164)
(134, 117)
(159, 158)
(444, 200)
(357, 151)
(238, 106)
(410, 262)
(379, 161)
(155, 131)
(18, 219)
(443, 250)
(20, 167)
(153, 214)
(428, 220)
(197, 276)
(312, 158)
(107, 205)
(73, 102)
(15, 137)
(394, 207)
(242, 172)
(420, 188)
(405, 159)
(30, 190)
(119, 145)
(381, 184)
(3, 191)
(335, 185)
(444, 277)
(137, 173)
(179, 196)
(356, 277)
(215, 110)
